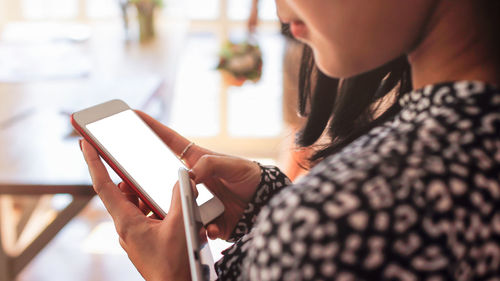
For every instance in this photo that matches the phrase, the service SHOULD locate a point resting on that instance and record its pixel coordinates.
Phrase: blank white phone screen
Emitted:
(142, 154)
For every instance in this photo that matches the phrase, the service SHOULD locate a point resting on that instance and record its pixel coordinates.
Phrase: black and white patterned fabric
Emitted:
(417, 198)
(272, 180)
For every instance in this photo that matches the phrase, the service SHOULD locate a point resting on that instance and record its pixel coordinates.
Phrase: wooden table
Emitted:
(40, 156)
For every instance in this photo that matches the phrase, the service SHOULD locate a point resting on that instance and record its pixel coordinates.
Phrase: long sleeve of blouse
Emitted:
(271, 182)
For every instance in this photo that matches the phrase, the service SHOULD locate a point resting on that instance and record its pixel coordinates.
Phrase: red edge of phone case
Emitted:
(114, 167)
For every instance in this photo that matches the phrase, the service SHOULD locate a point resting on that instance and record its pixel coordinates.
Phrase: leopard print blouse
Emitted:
(417, 198)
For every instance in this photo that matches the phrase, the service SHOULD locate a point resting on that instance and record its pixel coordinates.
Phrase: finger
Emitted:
(132, 196)
(193, 188)
(202, 235)
(152, 215)
(146, 210)
(123, 244)
(175, 205)
(213, 231)
(225, 167)
(175, 141)
(129, 193)
(114, 201)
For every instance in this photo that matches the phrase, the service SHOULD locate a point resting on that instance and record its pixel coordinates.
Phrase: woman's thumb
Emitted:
(210, 166)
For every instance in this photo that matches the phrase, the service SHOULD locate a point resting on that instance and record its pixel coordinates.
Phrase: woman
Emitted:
(411, 195)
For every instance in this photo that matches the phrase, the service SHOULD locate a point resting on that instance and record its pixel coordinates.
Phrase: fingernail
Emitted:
(80, 142)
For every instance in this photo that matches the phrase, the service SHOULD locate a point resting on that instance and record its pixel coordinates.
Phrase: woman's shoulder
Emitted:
(450, 103)
(396, 191)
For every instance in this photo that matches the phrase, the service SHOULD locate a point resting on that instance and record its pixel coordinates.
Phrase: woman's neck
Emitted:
(456, 45)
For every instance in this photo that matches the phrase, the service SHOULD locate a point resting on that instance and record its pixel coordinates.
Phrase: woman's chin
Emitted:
(342, 69)
(333, 66)
(344, 66)
(334, 70)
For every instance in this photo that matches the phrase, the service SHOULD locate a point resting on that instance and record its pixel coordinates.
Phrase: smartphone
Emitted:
(141, 159)
(201, 262)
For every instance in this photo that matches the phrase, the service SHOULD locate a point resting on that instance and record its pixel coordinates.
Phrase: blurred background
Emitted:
(59, 56)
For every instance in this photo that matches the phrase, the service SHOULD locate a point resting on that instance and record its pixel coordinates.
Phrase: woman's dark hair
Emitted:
(345, 107)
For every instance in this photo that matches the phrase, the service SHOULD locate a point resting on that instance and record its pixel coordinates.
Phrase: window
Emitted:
(248, 118)
(240, 9)
(49, 9)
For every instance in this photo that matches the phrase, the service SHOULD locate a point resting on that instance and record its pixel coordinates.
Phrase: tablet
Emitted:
(201, 262)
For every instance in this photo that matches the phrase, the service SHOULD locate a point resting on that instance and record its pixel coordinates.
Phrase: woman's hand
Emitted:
(157, 248)
(233, 180)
